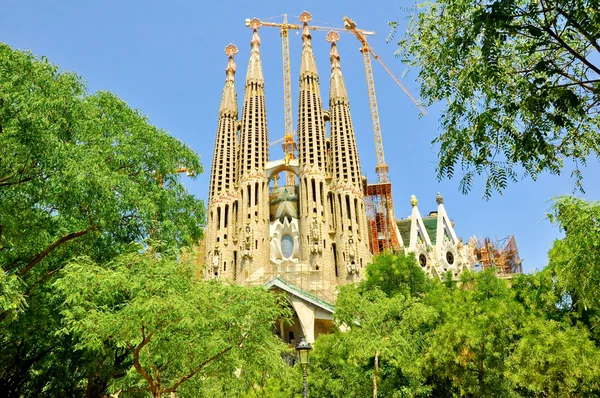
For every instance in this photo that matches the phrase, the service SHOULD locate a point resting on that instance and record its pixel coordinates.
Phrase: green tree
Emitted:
(478, 324)
(499, 340)
(79, 174)
(576, 258)
(521, 80)
(173, 326)
(396, 273)
(385, 329)
(574, 261)
(554, 360)
(479, 336)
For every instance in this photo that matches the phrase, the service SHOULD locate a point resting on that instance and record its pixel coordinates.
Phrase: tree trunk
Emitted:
(375, 374)
(90, 386)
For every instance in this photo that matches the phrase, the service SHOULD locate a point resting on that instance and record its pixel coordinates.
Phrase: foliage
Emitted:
(79, 173)
(554, 360)
(576, 258)
(479, 323)
(173, 326)
(479, 336)
(521, 80)
(396, 273)
(384, 334)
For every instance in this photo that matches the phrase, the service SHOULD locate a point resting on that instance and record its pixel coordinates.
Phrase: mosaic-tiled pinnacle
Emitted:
(229, 97)
(308, 65)
(255, 73)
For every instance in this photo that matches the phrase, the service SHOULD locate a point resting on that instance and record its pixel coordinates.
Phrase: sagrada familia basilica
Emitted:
(299, 225)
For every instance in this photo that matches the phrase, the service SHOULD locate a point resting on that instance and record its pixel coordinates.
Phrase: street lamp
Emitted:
(303, 348)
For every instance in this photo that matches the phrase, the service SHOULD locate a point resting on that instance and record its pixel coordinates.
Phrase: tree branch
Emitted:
(200, 366)
(571, 50)
(579, 28)
(576, 54)
(6, 184)
(50, 248)
(136, 359)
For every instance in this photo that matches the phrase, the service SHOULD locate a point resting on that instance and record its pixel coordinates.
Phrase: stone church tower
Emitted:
(308, 233)
(311, 234)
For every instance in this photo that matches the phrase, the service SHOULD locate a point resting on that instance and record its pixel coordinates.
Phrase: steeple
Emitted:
(312, 156)
(337, 88)
(253, 218)
(254, 137)
(311, 125)
(346, 183)
(223, 166)
(254, 73)
(222, 206)
(346, 164)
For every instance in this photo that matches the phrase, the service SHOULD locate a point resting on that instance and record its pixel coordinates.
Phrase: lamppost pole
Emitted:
(303, 348)
(304, 381)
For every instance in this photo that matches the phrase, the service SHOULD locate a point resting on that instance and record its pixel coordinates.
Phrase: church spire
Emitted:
(346, 182)
(345, 162)
(254, 138)
(253, 155)
(229, 97)
(308, 66)
(312, 155)
(254, 73)
(221, 203)
(226, 139)
(311, 125)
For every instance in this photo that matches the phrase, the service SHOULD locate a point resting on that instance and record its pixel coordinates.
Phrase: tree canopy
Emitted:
(80, 173)
(174, 326)
(479, 336)
(521, 81)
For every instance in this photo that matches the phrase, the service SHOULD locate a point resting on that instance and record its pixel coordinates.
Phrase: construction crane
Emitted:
(278, 141)
(367, 51)
(289, 143)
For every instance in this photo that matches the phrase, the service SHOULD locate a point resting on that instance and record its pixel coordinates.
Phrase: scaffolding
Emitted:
(380, 217)
(502, 254)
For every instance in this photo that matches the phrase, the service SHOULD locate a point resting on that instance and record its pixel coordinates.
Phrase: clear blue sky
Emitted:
(166, 59)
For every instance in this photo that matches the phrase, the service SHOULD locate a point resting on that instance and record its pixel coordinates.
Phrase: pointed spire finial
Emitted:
(439, 200)
(333, 37)
(230, 50)
(254, 24)
(305, 18)
(229, 97)
(413, 201)
(254, 72)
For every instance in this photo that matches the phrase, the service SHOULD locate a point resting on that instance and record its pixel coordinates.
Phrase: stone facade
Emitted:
(311, 232)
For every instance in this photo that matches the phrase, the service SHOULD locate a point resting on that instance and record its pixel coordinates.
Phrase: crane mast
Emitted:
(382, 168)
(366, 50)
(289, 143)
